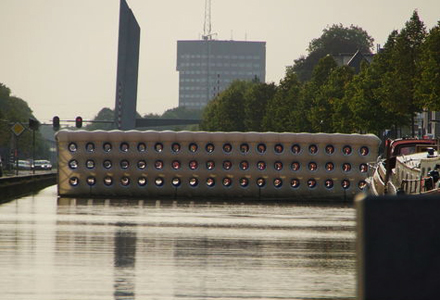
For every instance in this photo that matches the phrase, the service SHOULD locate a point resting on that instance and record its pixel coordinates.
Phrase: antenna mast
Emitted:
(207, 35)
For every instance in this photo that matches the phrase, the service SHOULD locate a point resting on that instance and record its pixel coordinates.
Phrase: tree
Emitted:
(397, 88)
(427, 85)
(105, 114)
(226, 111)
(334, 40)
(278, 116)
(319, 108)
(256, 98)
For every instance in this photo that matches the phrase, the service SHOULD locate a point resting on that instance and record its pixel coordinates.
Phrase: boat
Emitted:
(411, 166)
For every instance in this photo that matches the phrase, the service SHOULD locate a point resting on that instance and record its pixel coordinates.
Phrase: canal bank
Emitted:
(15, 186)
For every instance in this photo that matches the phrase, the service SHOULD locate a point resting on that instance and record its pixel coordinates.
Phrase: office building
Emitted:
(207, 67)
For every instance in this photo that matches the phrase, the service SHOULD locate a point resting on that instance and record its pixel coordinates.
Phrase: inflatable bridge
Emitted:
(213, 164)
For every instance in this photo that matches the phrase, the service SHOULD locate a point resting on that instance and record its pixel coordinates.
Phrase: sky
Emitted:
(60, 55)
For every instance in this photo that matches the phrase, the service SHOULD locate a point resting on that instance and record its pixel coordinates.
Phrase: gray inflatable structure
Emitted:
(294, 166)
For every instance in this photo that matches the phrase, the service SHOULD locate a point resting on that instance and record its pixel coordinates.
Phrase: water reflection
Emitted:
(125, 260)
(150, 249)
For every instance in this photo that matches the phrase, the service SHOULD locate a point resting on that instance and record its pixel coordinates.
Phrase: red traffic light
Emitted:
(56, 123)
(78, 122)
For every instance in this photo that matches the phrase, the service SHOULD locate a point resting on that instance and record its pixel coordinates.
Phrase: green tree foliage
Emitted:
(427, 85)
(279, 109)
(397, 88)
(229, 109)
(334, 40)
(13, 110)
(256, 98)
(104, 115)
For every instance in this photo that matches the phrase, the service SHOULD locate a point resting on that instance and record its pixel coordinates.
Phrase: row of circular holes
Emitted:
(227, 148)
(210, 165)
(226, 182)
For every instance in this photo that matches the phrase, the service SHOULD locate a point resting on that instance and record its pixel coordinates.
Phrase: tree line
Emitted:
(317, 95)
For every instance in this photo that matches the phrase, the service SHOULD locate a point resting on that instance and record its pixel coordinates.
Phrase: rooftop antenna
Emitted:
(207, 34)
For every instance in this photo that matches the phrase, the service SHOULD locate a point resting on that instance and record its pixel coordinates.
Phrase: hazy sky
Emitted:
(60, 55)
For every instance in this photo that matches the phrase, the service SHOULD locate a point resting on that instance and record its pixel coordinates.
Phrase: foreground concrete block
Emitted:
(398, 247)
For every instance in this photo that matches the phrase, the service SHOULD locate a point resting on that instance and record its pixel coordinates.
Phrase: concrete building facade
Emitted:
(207, 67)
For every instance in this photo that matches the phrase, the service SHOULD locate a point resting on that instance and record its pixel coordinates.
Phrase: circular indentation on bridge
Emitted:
(313, 166)
(278, 148)
(125, 181)
(209, 147)
(329, 149)
(278, 166)
(124, 164)
(175, 147)
(346, 167)
(227, 182)
(210, 165)
(345, 184)
(193, 147)
(193, 181)
(261, 148)
(362, 185)
(295, 166)
(90, 147)
(294, 183)
(311, 183)
(176, 181)
(142, 181)
(193, 165)
(329, 166)
(244, 182)
(329, 183)
(73, 164)
(313, 149)
(73, 147)
(296, 149)
(227, 148)
(90, 164)
(346, 150)
(175, 164)
(261, 165)
(261, 182)
(158, 164)
(107, 164)
(244, 165)
(74, 181)
(364, 151)
(108, 181)
(142, 164)
(363, 168)
(210, 181)
(107, 147)
(277, 182)
(158, 147)
(244, 148)
(91, 180)
(227, 165)
(142, 147)
(159, 181)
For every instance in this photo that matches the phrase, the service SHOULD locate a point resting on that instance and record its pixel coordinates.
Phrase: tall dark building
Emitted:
(207, 67)
(127, 72)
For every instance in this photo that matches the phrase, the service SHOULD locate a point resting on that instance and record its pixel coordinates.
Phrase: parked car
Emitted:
(42, 164)
(23, 165)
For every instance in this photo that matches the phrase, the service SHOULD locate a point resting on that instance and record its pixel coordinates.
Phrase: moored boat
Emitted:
(410, 166)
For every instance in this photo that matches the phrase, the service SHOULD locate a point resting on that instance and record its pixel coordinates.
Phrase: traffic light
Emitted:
(78, 122)
(33, 124)
(56, 123)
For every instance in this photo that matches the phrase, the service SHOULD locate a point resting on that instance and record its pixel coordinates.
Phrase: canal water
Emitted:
(146, 249)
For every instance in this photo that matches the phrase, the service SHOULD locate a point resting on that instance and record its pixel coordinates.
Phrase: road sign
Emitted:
(18, 128)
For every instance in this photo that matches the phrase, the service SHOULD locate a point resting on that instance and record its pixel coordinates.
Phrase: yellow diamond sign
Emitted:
(18, 128)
